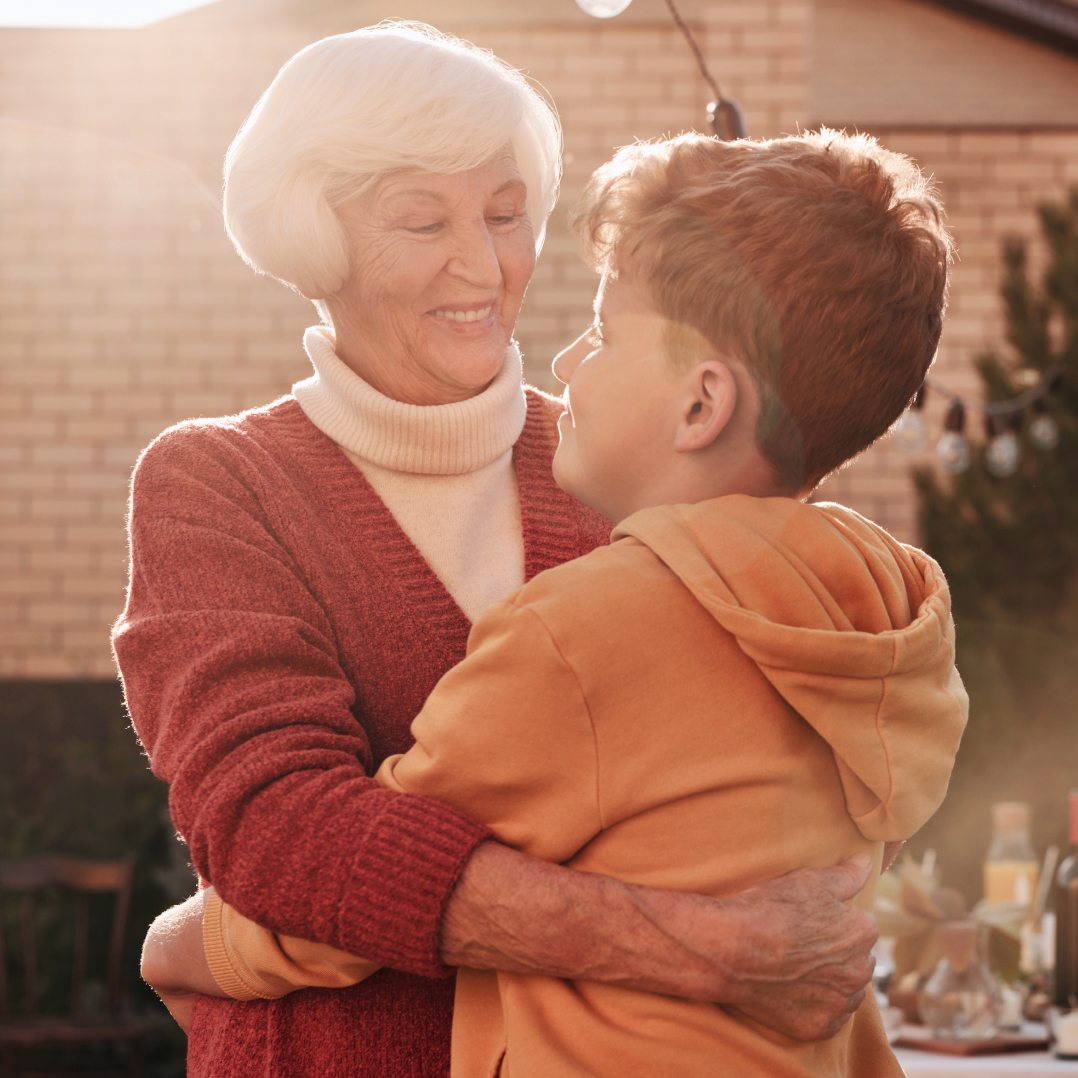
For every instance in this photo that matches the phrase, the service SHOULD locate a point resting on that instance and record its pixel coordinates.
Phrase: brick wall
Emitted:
(123, 308)
(992, 182)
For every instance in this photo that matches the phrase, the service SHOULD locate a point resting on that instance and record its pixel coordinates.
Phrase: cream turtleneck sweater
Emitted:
(444, 471)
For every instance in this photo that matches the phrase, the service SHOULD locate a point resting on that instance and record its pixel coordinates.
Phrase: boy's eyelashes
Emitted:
(595, 336)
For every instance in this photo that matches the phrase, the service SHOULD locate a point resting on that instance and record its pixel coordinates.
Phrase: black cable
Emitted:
(723, 115)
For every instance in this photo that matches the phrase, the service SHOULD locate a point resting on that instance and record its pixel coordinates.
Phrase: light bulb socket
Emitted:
(726, 120)
(955, 420)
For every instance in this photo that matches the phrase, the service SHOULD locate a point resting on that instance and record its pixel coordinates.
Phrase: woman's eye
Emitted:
(503, 220)
(424, 229)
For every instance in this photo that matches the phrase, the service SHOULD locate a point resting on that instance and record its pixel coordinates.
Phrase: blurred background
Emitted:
(123, 309)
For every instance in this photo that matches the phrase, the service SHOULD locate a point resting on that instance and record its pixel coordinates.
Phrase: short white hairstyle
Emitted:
(350, 108)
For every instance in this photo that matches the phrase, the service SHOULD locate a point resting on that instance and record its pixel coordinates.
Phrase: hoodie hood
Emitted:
(852, 628)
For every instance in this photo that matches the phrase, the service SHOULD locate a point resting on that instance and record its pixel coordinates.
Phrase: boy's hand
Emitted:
(174, 961)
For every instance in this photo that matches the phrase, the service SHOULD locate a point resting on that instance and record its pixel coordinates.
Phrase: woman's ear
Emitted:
(708, 404)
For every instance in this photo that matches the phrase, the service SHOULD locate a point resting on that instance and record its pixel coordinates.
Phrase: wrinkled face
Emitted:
(439, 265)
(621, 405)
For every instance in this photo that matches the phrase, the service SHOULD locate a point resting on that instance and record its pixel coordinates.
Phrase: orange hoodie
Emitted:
(731, 690)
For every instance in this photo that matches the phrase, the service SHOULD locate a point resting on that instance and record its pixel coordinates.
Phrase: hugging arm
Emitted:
(790, 953)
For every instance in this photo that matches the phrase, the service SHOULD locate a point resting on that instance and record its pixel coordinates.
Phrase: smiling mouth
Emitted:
(464, 316)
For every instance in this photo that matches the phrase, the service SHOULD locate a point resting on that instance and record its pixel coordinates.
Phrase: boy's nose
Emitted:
(568, 359)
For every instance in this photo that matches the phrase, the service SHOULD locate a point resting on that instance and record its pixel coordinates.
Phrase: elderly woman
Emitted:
(303, 573)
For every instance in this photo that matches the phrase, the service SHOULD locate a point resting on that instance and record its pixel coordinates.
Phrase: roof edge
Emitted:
(1049, 22)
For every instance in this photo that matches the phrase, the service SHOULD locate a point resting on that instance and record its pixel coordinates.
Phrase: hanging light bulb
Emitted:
(952, 450)
(603, 9)
(911, 431)
(1043, 430)
(1002, 454)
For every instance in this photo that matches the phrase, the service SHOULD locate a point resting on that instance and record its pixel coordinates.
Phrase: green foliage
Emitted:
(74, 781)
(1010, 551)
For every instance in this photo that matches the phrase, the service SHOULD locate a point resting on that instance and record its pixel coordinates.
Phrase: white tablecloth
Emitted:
(1007, 1065)
(1012, 1065)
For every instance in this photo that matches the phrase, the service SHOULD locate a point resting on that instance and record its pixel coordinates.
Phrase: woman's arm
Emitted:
(788, 953)
(236, 688)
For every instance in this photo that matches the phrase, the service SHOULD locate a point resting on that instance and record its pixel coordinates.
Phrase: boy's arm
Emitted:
(204, 947)
(173, 959)
(506, 736)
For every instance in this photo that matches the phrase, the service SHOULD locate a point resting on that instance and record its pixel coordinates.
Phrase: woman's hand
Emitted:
(174, 961)
(790, 953)
(797, 955)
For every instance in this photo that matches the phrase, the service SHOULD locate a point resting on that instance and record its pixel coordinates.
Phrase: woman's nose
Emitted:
(476, 258)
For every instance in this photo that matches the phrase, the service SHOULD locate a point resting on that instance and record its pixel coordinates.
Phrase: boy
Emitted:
(741, 683)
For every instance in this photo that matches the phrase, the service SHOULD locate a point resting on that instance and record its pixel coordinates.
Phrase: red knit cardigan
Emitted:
(280, 633)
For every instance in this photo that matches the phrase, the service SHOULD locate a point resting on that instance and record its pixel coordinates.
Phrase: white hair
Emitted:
(350, 108)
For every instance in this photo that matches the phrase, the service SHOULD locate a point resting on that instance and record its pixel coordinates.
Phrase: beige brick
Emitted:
(20, 638)
(48, 560)
(49, 663)
(92, 374)
(774, 40)
(747, 13)
(63, 508)
(90, 644)
(797, 15)
(95, 536)
(1031, 169)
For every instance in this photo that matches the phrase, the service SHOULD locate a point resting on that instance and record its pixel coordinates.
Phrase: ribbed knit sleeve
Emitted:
(233, 677)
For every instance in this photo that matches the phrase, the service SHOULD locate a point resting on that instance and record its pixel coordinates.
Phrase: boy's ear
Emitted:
(707, 405)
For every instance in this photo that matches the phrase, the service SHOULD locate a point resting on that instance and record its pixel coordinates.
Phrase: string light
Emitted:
(603, 9)
(723, 115)
(1003, 422)
(1043, 430)
(911, 431)
(952, 449)
(1003, 453)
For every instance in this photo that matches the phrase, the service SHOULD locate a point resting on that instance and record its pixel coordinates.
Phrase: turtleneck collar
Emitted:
(441, 439)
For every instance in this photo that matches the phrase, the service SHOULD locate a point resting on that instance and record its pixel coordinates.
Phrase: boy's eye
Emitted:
(595, 337)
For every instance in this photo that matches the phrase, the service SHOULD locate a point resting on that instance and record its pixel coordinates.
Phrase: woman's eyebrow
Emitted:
(413, 193)
(429, 195)
(516, 181)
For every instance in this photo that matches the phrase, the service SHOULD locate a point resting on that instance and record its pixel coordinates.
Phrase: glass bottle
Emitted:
(962, 999)
(1065, 994)
(1010, 867)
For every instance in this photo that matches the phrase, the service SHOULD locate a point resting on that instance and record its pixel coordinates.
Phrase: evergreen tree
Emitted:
(1009, 547)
